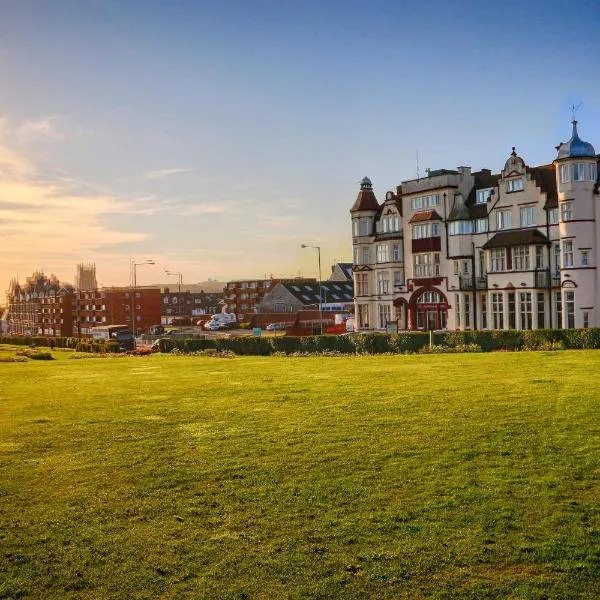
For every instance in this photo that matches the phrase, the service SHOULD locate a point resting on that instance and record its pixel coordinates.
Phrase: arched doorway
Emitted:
(428, 310)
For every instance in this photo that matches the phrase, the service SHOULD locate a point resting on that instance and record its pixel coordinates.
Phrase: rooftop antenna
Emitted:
(574, 110)
(418, 175)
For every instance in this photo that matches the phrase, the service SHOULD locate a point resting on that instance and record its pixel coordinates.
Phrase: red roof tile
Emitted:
(426, 215)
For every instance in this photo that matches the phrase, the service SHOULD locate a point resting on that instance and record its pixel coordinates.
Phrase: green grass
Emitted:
(445, 476)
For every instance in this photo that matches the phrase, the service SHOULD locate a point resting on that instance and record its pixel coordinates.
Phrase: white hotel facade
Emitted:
(475, 250)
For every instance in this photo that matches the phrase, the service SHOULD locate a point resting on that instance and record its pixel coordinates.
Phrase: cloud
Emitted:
(161, 173)
(44, 129)
(57, 221)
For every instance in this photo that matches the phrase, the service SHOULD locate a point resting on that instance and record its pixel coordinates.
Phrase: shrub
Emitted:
(35, 354)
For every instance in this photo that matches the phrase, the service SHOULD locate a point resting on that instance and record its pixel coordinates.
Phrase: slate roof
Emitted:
(518, 237)
(333, 291)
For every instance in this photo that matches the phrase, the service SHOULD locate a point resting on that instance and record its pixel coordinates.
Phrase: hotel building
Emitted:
(475, 250)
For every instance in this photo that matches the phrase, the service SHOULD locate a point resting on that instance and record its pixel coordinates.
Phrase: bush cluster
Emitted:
(35, 354)
(59, 342)
(401, 343)
(97, 346)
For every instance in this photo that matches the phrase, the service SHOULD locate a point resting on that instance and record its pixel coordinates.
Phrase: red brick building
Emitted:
(40, 306)
(139, 308)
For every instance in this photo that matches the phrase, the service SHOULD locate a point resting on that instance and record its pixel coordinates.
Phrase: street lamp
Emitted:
(179, 282)
(318, 249)
(134, 265)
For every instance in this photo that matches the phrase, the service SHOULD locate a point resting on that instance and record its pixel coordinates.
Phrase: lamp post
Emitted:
(179, 282)
(318, 249)
(134, 265)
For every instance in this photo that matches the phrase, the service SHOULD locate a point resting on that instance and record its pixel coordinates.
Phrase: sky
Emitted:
(215, 138)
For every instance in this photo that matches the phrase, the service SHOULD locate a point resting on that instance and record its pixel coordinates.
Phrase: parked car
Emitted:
(276, 327)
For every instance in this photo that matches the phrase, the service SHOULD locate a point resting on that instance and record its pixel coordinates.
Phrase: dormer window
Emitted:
(483, 196)
(514, 185)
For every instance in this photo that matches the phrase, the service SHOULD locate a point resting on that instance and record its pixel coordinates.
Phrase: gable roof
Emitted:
(519, 237)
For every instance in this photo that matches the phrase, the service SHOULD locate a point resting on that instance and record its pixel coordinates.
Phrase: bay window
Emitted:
(383, 282)
(521, 258)
(497, 259)
(362, 284)
(382, 253)
(426, 265)
(567, 254)
(566, 211)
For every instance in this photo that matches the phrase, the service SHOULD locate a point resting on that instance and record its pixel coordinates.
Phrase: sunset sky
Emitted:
(216, 137)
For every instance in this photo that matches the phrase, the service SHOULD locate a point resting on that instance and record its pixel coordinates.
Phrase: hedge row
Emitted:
(79, 345)
(378, 343)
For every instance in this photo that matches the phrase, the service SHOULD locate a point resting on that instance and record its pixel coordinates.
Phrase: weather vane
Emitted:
(574, 109)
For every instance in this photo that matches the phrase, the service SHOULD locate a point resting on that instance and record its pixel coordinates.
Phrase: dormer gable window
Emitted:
(483, 196)
(515, 185)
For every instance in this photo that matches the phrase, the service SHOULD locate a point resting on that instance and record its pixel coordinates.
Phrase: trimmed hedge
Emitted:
(379, 343)
(79, 345)
(39, 340)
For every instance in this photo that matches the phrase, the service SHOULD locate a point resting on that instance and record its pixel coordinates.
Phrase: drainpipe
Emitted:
(549, 246)
(474, 283)
(446, 227)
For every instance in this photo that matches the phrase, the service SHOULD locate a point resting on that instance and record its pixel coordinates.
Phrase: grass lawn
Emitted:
(442, 476)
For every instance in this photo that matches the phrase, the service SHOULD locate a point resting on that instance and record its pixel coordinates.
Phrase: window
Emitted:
(396, 252)
(558, 309)
(483, 303)
(525, 310)
(385, 314)
(467, 300)
(512, 311)
(365, 256)
(566, 211)
(481, 225)
(362, 284)
(426, 265)
(465, 267)
(497, 259)
(460, 227)
(565, 174)
(483, 196)
(539, 257)
(363, 316)
(382, 252)
(567, 252)
(425, 202)
(553, 216)
(586, 319)
(383, 282)
(456, 267)
(481, 264)
(355, 227)
(398, 278)
(570, 309)
(521, 258)
(556, 253)
(426, 230)
(527, 216)
(592, 172)
(514, 185)
(355, 255)
(585, 258)
(541, 306)
(579, 171)
(503, 219)
(389, 223)
(497, 311)
(364, 227)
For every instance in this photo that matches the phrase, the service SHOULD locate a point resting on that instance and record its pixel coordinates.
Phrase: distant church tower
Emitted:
(85, 278)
